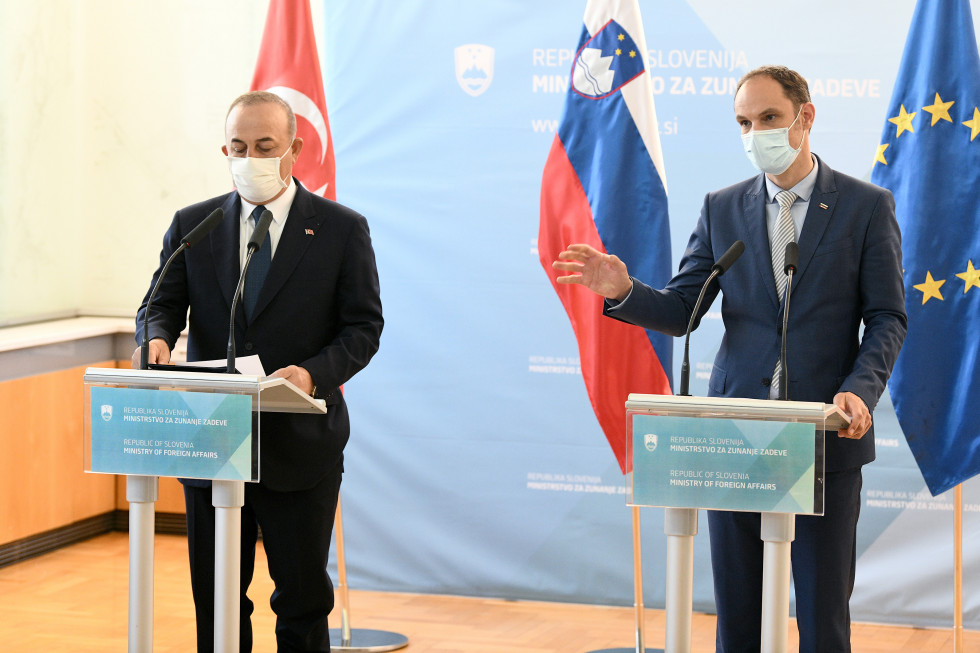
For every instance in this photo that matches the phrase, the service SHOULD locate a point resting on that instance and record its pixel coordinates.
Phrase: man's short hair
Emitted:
(260, 97)
(793, 83)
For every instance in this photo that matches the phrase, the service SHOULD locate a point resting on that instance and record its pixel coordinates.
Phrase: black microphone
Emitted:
(203, 229)
(191, 239)
(719, 268)
(792, 260)
(254, 243)
(729, 257)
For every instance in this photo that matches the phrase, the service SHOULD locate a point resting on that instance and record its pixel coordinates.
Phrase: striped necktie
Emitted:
(782, 235)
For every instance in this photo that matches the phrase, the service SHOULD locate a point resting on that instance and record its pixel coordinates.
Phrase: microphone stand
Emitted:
(230, 369)
(789, 268)
(686, 364)
(191, 239)
(145, 340)
(719, 268)
(254, 243)
(784, 379)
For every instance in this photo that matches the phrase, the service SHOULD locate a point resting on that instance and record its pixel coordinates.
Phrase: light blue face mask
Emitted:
(769, 150)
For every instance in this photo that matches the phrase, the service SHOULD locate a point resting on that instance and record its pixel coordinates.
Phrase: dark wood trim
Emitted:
(167, 523)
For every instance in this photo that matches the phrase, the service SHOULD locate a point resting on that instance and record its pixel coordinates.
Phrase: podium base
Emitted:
(365, 639)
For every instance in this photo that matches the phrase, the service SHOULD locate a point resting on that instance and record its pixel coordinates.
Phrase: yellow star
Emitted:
(939, 110)
(621, 37)
(974, 124)
(632, 53)
(930, 288)
(880, 154)
(971, 277)
(904, 121)
(618, 52)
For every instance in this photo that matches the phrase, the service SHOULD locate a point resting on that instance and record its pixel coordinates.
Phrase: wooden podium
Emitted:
(690, 453)
(146, 424)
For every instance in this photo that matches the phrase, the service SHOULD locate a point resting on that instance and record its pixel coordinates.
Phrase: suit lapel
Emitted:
(757, 245)
(818, 215)
(225, 246)
(297, 234)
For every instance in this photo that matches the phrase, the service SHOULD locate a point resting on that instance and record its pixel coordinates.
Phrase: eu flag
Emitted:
(929, 157)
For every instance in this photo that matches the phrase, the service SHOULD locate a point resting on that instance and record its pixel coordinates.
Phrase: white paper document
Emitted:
(250, 365)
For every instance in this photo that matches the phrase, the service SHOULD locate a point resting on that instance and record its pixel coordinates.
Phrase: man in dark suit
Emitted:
(850, 271)
(316, 321)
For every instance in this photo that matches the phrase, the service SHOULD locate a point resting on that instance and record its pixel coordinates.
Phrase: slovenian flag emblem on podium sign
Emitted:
(604, 185)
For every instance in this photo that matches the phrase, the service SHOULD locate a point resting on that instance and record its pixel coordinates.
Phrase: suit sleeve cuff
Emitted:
(612, 305)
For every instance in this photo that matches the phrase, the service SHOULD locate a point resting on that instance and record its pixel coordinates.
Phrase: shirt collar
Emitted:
(803, 189)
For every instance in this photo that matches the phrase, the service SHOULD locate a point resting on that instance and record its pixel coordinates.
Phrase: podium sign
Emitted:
(720, 453)
(177, 433)
(724, 464)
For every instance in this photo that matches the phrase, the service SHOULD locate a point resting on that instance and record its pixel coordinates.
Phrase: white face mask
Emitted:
(257, 178)
(769, 150)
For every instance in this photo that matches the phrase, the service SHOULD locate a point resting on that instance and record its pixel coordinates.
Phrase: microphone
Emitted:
(792, 258)
(191, 239)
(203, 229)
(729, 257)
(719, 268)
(254, 244)
(789, 268)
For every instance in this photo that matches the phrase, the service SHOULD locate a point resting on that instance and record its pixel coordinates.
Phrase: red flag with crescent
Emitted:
(289, 66)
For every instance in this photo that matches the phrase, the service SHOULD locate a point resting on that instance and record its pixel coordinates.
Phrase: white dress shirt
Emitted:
(280, 211)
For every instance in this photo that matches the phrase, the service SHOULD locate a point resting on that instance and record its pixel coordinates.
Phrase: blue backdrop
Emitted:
(475, 464)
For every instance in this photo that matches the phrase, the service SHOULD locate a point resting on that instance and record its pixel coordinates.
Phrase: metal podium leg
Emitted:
(637, 595)
(778, 533)
(227, 497)
(680, 525)
(358, 639)
(141, 493)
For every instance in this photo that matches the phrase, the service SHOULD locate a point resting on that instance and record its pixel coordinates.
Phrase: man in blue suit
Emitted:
(849, 273)
(316, 321)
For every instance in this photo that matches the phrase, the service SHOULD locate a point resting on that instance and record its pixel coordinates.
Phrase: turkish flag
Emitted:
(289, 66)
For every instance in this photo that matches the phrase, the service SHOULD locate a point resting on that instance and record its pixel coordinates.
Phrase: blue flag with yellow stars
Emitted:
(929, 157)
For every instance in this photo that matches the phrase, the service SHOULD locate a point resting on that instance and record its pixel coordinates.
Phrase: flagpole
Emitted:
(637, 581)
(355, 639)
(958, 569)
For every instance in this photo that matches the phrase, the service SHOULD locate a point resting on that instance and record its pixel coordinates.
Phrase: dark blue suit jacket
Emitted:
(320, 308)
(850, 271)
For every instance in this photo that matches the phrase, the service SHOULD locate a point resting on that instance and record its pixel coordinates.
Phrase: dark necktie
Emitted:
(258, 268)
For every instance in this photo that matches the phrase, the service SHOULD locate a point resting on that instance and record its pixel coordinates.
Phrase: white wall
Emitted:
(111, 118)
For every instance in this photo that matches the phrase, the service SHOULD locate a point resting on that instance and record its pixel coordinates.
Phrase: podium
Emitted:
(690, 453)
(145, 424)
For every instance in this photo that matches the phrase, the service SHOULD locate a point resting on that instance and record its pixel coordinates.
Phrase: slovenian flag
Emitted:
(604, 185)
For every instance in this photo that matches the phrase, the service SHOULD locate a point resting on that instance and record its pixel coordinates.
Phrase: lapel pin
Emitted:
(823, 206)
(309, 232)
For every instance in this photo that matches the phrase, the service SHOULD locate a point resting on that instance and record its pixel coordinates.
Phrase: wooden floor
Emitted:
(75, 600)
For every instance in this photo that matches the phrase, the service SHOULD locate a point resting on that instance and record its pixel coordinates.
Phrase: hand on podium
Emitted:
(159, 353)
(854, 407)
(298, 376)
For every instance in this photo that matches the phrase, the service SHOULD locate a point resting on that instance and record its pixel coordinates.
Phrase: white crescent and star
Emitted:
(304, 106)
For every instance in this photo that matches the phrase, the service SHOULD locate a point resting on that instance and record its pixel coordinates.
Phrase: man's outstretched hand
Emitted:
(603, 274)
